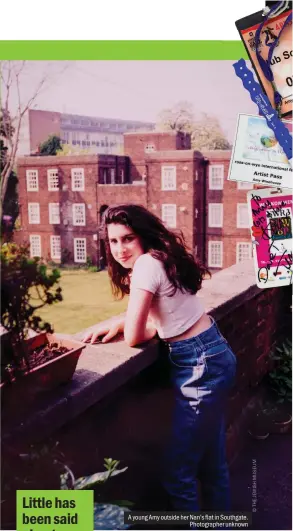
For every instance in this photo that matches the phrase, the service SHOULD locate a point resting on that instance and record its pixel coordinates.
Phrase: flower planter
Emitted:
(282, 426)
(46, 376)
(258, 426)
(281, 419)
(271, 418)
(258, 433)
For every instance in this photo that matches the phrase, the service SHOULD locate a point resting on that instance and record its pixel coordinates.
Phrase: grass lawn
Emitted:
(87, 299)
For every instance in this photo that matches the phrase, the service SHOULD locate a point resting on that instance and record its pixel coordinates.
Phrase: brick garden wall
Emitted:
(120, 400)
(252, 329)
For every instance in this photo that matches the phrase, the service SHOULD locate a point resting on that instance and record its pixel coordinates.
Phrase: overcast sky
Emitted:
(139, 90)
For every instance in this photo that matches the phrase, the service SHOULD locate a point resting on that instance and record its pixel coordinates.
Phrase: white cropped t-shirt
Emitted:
(171, 315)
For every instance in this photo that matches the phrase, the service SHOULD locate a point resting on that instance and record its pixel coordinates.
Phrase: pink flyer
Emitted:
(271, 224)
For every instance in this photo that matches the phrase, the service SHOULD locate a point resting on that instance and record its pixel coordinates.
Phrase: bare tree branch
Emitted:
(11, 78)
(7, 83)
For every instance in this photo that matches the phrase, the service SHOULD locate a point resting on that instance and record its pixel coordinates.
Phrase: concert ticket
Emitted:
(281, 61)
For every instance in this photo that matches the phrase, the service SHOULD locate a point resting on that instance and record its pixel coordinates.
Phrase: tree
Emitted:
(14, 105)
(206, 131)
(10, 77)
(207, 134)
(68, 149)
(51, 146)
(10, 207)
(178, 118)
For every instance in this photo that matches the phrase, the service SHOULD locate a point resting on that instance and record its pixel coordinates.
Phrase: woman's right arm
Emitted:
(108, 331)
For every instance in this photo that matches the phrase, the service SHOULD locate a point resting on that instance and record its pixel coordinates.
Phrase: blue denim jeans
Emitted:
(202, 371)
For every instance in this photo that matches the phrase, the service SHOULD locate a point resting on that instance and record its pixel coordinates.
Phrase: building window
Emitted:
(78, 213)
(105, 177)
(77, 179)
(122, 176)
(216, 177)
(215, 258)
(33, 213)
(55, 242)
(244, 186)
(169, 215)
(112, 175)
(32, 180)
(168, 177)
(54, 213)
(242, 216)
(215, 215)
(35, 245)
(80, 250)
(243, 252)
(53, 180)
(66, 136)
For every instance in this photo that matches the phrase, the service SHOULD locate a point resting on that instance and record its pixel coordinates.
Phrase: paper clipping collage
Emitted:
(262, 151)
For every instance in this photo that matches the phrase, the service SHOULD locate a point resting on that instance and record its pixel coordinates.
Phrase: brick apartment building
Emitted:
(62, 199)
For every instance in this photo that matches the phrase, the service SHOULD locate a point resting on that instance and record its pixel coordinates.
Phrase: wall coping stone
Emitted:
(60, 160)
(104, 368)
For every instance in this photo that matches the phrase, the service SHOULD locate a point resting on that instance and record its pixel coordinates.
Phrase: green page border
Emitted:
(119, 50)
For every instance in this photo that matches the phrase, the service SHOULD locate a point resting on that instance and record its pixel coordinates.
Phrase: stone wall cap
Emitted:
(174, 154)
(217, 153)
(72, 160)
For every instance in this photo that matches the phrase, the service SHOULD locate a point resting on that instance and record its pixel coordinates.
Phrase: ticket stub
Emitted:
(257, 156)
(270, 213)
(281, 61)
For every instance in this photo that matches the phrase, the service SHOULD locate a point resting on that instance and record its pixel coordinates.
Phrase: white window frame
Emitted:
(220, 224)
(55, 256)
(213, 186)
(73, 183)
(31, 214)
(54, 217)
(239, 225)
(211, 243)
(168, 182)
(74, 215)
(165, 208)
(75, 242)
(51, 177)
(241, 185)
(249, 246)
(33, 237)
(29, 186)
(112, 175)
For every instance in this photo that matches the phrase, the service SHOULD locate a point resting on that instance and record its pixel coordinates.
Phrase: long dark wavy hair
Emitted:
(183, 270)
